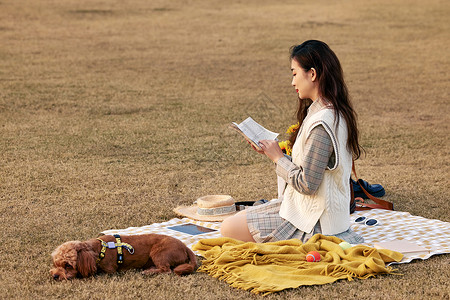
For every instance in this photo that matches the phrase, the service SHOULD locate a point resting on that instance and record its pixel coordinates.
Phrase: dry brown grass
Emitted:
(114, 112)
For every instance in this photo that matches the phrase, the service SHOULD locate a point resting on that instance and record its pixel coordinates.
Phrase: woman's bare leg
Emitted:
(236, 227)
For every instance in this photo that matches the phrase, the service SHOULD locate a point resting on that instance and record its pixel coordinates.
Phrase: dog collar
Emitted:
(111, 245)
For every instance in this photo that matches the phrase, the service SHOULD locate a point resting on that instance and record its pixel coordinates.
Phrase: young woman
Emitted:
(317, 194)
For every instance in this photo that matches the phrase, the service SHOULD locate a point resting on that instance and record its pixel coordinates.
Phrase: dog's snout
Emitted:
(55, 276)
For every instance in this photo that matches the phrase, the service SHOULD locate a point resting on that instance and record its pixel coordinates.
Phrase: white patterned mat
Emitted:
(431, 234)
(162, 228)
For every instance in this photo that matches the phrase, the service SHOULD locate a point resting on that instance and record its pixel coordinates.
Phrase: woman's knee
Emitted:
(227, 228)
(236, 227)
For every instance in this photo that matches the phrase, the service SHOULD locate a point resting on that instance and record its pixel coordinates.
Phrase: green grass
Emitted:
(113, 113)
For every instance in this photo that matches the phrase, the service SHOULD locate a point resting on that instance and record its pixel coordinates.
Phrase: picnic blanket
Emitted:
(395, 225)
(163, 228)
(433, 235)
(271, 267)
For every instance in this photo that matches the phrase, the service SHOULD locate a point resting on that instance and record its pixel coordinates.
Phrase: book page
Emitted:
(255, 132)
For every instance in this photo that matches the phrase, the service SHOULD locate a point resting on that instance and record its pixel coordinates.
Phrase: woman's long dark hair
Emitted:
(317, 55)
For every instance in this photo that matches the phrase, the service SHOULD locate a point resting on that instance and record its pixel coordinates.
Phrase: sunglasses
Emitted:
(366, 221)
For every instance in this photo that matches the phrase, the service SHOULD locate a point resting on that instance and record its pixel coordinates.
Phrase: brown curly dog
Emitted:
(154, 253)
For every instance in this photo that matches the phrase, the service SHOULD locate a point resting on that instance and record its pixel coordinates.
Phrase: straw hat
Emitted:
(209, 208)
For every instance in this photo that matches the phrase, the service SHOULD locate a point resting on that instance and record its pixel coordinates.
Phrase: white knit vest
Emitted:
(331, 202)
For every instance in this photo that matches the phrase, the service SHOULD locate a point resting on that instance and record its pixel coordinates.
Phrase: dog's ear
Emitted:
(86, 264)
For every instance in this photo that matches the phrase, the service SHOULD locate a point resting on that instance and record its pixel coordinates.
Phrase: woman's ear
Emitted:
(313, 74)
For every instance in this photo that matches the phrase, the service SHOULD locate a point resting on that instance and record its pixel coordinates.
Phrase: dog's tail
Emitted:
(187, 268)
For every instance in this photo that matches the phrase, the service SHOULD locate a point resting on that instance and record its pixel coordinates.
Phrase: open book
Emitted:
(253, 132)
(402, 246)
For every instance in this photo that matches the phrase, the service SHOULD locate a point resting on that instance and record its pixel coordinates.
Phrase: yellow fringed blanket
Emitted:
(272, 267)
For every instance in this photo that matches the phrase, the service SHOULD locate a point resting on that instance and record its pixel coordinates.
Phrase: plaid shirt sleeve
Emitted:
(319, 154)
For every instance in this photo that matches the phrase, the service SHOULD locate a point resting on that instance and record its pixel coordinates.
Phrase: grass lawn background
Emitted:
(112, 113)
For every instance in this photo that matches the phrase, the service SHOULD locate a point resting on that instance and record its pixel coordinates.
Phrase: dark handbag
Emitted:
(359, 204)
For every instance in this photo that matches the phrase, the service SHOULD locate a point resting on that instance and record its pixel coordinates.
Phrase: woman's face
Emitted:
(302, 81)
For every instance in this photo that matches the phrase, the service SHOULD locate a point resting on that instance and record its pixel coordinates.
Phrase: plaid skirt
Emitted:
(266, 225)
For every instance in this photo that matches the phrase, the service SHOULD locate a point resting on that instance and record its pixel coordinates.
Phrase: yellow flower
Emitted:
(292, 128)
(286, 146)
(283, 145)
